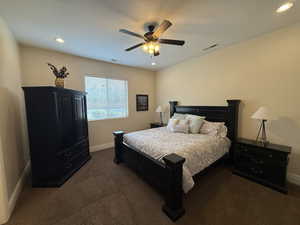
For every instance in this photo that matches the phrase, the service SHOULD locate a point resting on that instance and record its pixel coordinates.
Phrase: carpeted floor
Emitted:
(103, 193)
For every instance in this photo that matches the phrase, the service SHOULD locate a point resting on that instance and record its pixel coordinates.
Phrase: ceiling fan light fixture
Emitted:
(145, 47)
(151, 46)
(151, 39)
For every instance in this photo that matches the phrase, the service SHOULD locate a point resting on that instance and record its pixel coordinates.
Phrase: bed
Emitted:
(199, 150)
(168, 161)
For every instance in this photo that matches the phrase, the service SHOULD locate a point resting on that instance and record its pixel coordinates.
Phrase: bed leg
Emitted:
(118, 146)
(173, 206)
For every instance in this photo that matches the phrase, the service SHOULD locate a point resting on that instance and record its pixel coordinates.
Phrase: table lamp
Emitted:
(263, 114)
(160, 110)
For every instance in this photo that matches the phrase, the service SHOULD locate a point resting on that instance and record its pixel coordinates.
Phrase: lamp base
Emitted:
(262, 142)
(262, 130)
(161, 118)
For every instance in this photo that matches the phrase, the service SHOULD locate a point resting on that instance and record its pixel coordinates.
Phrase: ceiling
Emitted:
(90, 27)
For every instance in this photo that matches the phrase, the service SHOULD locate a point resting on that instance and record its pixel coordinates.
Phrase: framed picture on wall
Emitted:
(141, 103)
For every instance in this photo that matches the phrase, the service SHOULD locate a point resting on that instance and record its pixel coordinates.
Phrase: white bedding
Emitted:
(199, 150)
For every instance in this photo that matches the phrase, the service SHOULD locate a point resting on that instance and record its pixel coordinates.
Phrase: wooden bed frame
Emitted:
(167, 176)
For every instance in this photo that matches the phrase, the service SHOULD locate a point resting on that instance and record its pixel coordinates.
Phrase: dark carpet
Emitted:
(102, 193)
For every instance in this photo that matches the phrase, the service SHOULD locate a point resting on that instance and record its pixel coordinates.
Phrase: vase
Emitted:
(60, 82)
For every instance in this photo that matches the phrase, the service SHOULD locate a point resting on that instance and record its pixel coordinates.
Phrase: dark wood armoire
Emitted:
(58, 133)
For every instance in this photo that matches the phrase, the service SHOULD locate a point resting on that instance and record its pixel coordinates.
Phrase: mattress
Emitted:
(199, 150)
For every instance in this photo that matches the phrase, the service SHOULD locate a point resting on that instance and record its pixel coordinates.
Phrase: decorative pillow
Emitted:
(179, 116)
(183, 122)
(191, 116)
(181, 127)
(171, 124)
(222, 131)
(195, 123)
(211, 128)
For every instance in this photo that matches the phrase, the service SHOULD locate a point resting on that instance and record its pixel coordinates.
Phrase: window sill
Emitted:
(115, 118)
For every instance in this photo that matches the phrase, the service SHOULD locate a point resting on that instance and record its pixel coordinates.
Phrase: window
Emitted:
(106, 98)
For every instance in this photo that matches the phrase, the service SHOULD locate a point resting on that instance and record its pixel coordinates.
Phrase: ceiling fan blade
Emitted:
(171, 42)
(162, 28)
(135, 46)
(131, 33)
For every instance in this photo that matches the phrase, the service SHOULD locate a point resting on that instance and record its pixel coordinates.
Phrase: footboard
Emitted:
(166, 177)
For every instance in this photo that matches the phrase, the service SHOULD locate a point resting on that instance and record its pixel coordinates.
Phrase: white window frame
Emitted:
(110, 78)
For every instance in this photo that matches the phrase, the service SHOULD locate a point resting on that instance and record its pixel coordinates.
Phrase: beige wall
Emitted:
(37, 73)
(262, 71)
(13, 137)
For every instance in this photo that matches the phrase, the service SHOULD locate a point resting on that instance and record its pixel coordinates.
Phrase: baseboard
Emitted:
(19, 186)
(101, 147)
(293, 178)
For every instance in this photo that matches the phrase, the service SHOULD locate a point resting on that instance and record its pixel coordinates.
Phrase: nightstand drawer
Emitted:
(264, 155)
(272, 174)
(251, 169)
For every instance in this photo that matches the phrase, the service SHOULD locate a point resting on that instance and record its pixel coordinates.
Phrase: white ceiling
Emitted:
(90, 27)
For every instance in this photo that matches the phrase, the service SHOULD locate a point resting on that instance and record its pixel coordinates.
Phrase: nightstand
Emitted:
(155, 125)
(266, 165)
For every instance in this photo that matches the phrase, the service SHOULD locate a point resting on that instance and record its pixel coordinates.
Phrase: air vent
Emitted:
(210, 47)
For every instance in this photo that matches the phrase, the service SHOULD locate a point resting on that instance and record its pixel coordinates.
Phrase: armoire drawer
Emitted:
(72, 152)
(72, 164)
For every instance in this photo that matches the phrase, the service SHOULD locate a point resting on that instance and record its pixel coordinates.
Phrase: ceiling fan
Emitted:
(152, 38)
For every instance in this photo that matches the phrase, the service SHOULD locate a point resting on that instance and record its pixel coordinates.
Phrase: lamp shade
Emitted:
(263, 113)
(159, 109)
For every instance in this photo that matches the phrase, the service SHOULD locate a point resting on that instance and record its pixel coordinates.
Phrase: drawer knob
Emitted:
(244, 149)
(69, 165)
(270, 155)
(257, 161)
(260, 161)
(256, 171)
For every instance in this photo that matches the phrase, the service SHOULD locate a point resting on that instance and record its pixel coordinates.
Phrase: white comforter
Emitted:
(199, 150)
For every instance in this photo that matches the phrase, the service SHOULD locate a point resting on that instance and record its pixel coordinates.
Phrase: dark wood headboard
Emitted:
(228, 114)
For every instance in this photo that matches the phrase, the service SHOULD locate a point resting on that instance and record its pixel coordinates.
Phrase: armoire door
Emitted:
(80, 119)
(66, 117)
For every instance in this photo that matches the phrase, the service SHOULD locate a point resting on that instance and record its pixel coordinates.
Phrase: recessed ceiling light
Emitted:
(60, 40)
(286, 6)
(153, 64)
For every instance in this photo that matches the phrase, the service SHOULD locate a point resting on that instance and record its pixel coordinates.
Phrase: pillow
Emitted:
(181, 127)
(211, 128)
(191, 116)
(171, 124)
(195, 123)
(179, 116)
(183, 122)
(222, 131)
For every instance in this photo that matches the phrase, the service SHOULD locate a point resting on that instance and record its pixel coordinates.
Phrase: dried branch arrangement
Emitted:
(62, 73)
